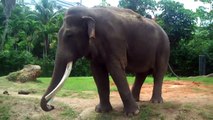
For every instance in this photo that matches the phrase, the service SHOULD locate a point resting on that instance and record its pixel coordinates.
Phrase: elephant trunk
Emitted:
(58, 78)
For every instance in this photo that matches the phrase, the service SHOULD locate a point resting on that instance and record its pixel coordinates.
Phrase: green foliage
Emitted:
(143, 7)
(81, 68)
(177, 21)
(35, 31)
(46, 64)
(14, 60)
(187, 53)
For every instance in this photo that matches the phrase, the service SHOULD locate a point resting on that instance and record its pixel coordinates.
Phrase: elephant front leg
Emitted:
(119, 76)
(101, 78)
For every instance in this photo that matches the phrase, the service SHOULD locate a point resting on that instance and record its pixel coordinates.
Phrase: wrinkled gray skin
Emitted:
(114, 40)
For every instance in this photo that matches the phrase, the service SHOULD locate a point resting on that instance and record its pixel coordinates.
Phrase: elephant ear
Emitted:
(91, 26)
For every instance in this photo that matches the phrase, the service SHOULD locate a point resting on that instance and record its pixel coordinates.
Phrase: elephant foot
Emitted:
(157, 99)
(131, 110)
(103, 108)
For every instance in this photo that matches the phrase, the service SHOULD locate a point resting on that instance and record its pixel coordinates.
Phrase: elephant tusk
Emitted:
(60, 84)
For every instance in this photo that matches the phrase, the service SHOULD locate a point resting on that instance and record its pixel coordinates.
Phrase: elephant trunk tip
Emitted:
(45, 106)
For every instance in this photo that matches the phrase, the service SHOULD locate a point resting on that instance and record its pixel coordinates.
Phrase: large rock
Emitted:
(210, 75)
(28, 73)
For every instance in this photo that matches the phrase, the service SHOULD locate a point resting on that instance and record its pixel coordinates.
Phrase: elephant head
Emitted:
(74, 38)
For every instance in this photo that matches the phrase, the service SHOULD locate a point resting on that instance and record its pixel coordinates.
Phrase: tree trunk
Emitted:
(46, 45)
(4, 34)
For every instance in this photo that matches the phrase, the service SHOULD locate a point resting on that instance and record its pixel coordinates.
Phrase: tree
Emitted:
(44, 13)
(143, 7)
(8, 6)
(178, 22)
(2, 18)
(104, 3)
(204, 32)
(21, 29)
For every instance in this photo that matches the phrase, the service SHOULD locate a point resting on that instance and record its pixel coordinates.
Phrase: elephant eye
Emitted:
(68, 33)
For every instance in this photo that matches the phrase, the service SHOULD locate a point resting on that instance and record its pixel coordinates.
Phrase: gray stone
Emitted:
(210, 75)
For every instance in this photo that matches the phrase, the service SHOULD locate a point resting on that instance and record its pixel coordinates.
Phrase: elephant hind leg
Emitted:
(157, 89)
(136, 88)
(158, 75)
(101, 78)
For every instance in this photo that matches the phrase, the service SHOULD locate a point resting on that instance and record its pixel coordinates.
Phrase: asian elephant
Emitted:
(114, 40)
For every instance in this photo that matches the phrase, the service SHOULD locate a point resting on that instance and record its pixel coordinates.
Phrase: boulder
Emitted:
(210, 75)
(28, 73)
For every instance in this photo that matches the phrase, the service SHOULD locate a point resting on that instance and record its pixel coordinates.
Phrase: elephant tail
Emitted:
(170, 68)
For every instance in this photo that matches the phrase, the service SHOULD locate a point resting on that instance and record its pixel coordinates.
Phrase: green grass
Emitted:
(203, 79)
(79, 84)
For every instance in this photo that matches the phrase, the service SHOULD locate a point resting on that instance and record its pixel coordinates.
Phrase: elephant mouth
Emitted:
(49, 96)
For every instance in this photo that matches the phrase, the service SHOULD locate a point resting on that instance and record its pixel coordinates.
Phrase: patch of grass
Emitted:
(203, 79)
(68, 113)
(146, 112)
(206, 116)
(44, 117)
(149, 111)
(4, 112)
(104, 116)
(4, 108)
(206, 112)
(29, 109)
(170, 105)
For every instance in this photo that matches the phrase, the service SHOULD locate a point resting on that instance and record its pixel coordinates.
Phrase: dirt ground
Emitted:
(178, 92)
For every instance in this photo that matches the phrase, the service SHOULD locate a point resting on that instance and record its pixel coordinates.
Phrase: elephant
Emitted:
(114, 40)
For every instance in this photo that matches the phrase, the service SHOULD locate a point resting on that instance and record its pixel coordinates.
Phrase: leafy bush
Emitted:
(14, 60)
(185, 58)
(81, 68)
(209, 61)
(47, 66)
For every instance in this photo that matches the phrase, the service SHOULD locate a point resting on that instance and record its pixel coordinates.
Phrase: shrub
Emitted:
(47, 66)
(81, 68)
(14, 60)
(185, 58)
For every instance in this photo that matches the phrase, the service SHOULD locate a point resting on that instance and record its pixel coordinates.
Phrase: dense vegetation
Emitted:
(29, 36)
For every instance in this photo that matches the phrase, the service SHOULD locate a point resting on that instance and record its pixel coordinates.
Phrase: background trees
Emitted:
(143, 7)
(7, 8)
(179, 24)
(31, 35)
